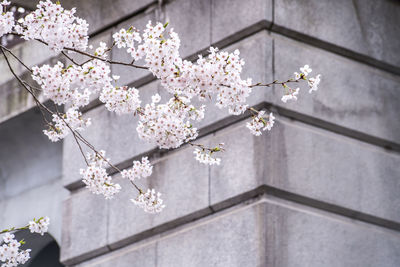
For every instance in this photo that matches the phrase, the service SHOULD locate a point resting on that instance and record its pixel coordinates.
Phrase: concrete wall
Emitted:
(321, 189)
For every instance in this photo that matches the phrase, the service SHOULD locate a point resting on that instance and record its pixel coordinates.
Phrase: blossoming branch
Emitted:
(168, 123)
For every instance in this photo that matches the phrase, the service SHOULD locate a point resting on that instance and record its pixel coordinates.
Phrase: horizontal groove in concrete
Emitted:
(249, 196)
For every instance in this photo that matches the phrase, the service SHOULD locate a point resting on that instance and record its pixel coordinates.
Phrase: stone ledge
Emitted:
(268, 227)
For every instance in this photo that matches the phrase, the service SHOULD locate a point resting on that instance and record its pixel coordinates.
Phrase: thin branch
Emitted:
(97, 57)
(20, 61)
(13, 229)
(275, 82)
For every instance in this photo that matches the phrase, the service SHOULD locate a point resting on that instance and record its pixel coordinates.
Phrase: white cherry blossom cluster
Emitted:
(205, 157)
(139, 170)
(96, 177)
(127, 38)
(168, 124)
(261, 123)
(40, 225)
(56, 26)
(291, 94)
(150, 201)
(313, 83)
(59, 129)
(218, 74)
(7, 21)
(73, 84)
(121, 100)
(10, 252)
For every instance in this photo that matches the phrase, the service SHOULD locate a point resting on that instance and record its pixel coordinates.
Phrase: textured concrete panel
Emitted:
(184, 187)
(192, 21)
(235, 238)
(231, 17)
(105, 12)
(310, 162)
(275, 234)
(306, 238)
(368, 27)
(137, 255)
(84, 226)
(350, 94)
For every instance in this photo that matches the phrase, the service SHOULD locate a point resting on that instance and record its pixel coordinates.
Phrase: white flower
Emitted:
(39, 226)
(8, 237)
(313, 83)
(116, 77)
(59, 129)
(168, 124)
(121, 100)
(56, 26)
(150, 201)
(206, 157)
(290, 95)
(139, 170)
(96, 178)
(156, 98)
(259, 123)
(306, 70)
(10, 252)
(297, 76)
(6, 19)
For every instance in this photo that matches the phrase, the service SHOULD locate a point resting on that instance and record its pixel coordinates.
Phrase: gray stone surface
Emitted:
(191, 20)
(84, 226)
(304, 160)
(234, 238)
(367, 27)
(350, 94)
(189, 196)
(137, 255)
(105, 12)
(231, 17)
(306, 237)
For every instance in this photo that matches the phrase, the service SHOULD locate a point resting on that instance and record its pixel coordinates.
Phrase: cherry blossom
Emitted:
(313, 83)
(59, 129)
(7, 21)
(39, 226)
(10, 252)
(168, 124)
(54, 25)
(150, 201)
(205, 157)
(259, 123)
(139, 170)
(121, 100)
(291, 94)
(96, 178)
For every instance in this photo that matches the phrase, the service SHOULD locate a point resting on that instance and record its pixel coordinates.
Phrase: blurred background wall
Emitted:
(321, 189)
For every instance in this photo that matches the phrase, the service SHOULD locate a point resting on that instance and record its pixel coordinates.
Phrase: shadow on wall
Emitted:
(27, 157)
(45, 250)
